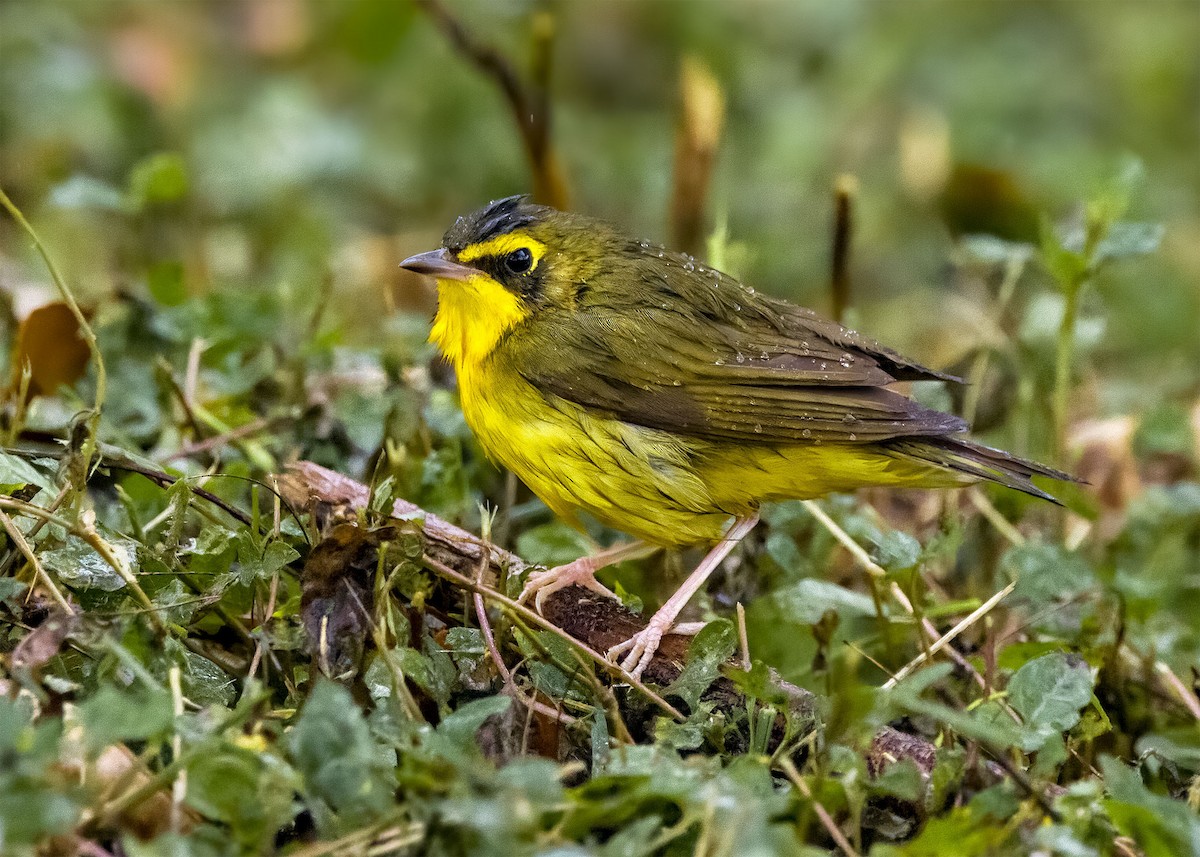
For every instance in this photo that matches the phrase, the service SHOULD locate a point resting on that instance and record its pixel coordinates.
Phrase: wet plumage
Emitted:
(665, 398)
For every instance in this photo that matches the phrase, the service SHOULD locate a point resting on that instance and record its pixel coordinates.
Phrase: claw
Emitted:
(543, 584)
(640, 648)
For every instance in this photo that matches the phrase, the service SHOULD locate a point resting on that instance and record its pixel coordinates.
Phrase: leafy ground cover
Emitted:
(206, 652)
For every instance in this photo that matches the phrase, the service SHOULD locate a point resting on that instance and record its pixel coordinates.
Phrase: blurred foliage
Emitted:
(228, 188)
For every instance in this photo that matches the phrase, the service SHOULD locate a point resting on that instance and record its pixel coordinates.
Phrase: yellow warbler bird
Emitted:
(667, 399)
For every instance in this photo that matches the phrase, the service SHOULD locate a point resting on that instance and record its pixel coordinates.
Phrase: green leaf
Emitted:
(901, 780)
(33, 802)
(1181, 745)
(987, 723)
(460, 726)
(256, 562)
(1125, 239)
(84, 191)
(343, 767)
(806, 601)
(709, 650)
(465, 641)
(17, 472)
(552, 544)
(896, 550)
(251, 792)
(1068, 267)
(960, 832)
(1048, 693)
(432, 670)
(161, 177)
(165, 281)
(1160, 826)
(78, 565)
(111, 716)
(1055, 584)
(688, 735)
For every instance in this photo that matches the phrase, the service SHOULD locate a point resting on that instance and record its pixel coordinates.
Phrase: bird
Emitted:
(667, 399)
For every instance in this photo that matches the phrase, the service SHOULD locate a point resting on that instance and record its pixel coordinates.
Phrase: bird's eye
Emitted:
(519, 261)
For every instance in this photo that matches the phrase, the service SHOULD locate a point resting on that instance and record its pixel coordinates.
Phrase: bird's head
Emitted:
(504, 264)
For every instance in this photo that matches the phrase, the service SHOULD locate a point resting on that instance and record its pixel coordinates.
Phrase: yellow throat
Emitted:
(472, 316)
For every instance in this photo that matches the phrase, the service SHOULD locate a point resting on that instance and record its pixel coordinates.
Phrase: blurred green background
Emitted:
(328, 138)
(230, 186)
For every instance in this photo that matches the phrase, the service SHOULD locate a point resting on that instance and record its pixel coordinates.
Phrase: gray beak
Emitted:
(437, 263)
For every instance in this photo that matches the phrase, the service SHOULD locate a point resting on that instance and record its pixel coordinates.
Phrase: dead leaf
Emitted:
(49, 341)
(44, 642)
(1106, 461)
(337, 597)
(984, 200)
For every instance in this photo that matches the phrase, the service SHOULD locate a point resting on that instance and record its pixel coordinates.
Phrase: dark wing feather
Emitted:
(670, 344)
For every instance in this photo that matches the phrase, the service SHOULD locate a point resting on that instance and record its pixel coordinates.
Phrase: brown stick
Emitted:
(530, 105)
(844, 191)
(323, 491)
(697, 137)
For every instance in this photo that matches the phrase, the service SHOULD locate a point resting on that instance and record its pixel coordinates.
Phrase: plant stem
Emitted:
(85, 329)
(1064, 352)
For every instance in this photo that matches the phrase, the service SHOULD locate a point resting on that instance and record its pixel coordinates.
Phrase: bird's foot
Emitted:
(640, 648)
(543, 584)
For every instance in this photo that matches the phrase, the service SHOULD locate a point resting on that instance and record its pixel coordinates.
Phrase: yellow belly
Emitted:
(651, 484)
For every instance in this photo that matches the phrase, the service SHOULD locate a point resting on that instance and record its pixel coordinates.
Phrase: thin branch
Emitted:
(1014, 266)
(85, 529)
(85, 329)
(877, 572)
(743, 637)
(545, 624)
(213, 443)
(980, 501)
(945, 640)
(530, 105)
(165, 479)
(697, 138)
(844, 192)
(1185, 694)
(14, 533)
(835, 832)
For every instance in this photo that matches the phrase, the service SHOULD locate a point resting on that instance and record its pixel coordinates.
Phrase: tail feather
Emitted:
(977, 461)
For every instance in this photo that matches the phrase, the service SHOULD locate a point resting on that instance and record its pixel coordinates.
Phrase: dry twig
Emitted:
(530, 104)
(697, 137)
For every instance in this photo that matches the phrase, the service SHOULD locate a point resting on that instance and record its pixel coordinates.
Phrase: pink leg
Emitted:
(642, 645)
(581, 571)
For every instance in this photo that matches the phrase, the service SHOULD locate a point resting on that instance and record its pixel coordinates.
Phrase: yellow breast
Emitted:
(637, 480)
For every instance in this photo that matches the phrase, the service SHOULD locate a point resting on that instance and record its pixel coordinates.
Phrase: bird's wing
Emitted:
(723, 363)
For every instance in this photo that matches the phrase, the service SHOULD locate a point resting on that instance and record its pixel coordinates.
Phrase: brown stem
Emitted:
(698, 135)
(530, 105)
(844, 192)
